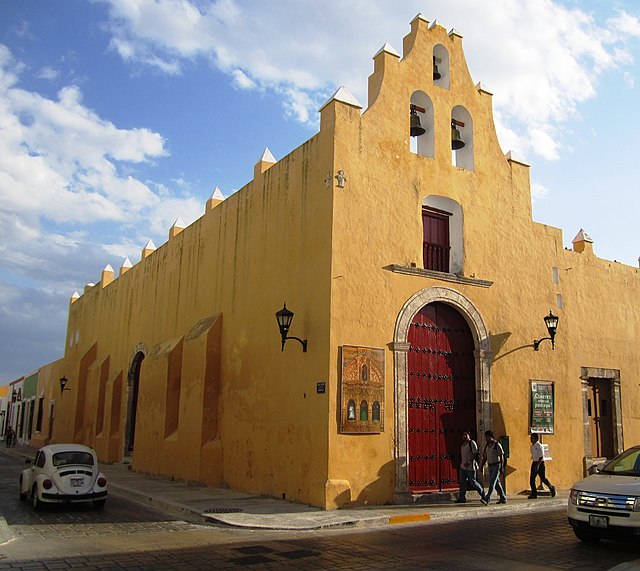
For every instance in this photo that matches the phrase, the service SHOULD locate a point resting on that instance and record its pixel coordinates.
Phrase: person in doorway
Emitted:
(538, 469)
(493, 455)
(468, 466)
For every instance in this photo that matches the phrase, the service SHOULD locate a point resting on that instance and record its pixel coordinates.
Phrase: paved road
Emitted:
(126, 535)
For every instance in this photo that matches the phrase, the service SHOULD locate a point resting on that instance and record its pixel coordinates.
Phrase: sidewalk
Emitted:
(223, 506)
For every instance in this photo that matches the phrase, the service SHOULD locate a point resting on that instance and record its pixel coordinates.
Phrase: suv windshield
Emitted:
(75, 458)
(627, 464)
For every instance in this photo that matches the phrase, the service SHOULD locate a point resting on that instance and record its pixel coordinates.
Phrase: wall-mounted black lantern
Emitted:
(14, 395)
(551, 321)
(63, 384)
(285, 317)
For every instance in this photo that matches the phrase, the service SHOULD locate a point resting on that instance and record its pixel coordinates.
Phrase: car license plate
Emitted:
(77, 482)
(598, 521)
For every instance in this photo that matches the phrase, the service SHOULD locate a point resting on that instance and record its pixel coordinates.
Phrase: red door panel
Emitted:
(441, 396)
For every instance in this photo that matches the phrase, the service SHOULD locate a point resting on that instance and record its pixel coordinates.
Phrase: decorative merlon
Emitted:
(148, 249)
(75, 297)
(514, 157)
(482, 88)
(178, 226)
(388, 49)
(582, 236)
(434, 24)
(582, 243)
(126, 266)
(88, 286)
(216, 198)
(107, 275)
(419, 16)
(267, 156)
(455, 32)
(343, 95)
(267, 160)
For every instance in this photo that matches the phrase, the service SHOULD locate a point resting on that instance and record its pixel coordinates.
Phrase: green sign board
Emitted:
(541, 412)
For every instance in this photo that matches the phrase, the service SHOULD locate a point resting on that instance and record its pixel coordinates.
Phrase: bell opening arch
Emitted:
(401, 345)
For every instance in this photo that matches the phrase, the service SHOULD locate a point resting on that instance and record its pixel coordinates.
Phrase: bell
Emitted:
(436, 73)
(456, 141)
(416, 128)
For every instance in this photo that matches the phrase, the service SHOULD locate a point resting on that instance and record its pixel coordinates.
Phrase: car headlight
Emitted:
(573, 497)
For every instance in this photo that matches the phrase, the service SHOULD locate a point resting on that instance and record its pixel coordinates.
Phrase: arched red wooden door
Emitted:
(441, 396)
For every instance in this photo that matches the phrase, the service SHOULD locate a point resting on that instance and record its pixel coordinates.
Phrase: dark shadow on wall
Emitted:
(382, 487)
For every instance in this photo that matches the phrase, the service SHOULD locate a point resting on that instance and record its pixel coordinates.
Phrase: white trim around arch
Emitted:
(482, 355)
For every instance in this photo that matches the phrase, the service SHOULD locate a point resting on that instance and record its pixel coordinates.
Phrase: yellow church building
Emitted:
(401, 239)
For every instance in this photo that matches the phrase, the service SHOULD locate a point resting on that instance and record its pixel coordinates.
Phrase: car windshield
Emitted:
(75, 458)
(626, 464)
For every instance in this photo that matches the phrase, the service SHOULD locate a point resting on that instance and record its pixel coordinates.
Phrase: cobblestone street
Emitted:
(128, 535)
(511, 542)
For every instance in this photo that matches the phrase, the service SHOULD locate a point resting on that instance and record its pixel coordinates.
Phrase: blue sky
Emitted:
(119, 116)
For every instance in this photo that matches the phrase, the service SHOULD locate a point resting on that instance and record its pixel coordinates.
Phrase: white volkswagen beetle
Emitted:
(607, 504)
(64, 473)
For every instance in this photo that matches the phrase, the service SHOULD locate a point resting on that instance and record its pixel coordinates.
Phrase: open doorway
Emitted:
(602, 414)
(600, 419)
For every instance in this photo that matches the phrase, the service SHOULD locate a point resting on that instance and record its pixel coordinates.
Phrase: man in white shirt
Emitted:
(538, 469)
(494, 457)
(468, 467)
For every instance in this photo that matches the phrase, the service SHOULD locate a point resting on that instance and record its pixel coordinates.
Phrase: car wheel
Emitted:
(99, 504)
(586, 537)
(37, 504)
(23, 496)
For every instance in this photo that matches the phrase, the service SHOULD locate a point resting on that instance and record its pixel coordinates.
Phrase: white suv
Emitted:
(607, 504)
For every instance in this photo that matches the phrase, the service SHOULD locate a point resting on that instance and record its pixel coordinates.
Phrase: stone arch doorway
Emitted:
(458, 313)
(133, 387)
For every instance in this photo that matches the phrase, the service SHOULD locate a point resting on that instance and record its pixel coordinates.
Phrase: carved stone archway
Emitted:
(482, 355)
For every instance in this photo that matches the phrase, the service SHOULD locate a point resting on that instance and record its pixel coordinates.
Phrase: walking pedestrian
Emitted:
(493, 456)
(538, 469)
(9, 436)
(468, 466)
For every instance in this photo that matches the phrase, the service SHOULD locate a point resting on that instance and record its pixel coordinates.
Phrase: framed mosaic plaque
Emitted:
(362, 390)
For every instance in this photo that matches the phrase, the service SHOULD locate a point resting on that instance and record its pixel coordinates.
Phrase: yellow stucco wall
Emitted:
(387, 184)
(215, 389)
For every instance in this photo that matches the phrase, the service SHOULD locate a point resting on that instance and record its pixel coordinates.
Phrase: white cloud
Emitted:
(241, 80)
(48, 73)
(626, 24)
(541, 59)
(539, 191)
(68, 186)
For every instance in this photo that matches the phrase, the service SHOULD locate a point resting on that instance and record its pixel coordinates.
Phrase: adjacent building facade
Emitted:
(418, 280)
